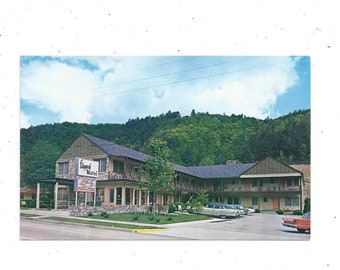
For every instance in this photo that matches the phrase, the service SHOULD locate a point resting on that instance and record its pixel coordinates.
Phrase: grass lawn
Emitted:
(101, 223)
(150, 219)
(28, 215)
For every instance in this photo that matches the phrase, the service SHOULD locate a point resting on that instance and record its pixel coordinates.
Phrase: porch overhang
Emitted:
(271, 175)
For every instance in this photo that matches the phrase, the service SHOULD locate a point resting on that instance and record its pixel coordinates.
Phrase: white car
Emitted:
(243, 210)
(220, 210)
(251, 210)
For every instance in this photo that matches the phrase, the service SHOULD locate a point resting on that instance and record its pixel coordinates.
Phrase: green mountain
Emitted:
(198, 139)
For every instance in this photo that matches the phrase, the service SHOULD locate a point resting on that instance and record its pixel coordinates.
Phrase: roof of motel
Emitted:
(206, 172)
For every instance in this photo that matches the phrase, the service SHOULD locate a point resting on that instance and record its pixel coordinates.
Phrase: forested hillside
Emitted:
(198, 139)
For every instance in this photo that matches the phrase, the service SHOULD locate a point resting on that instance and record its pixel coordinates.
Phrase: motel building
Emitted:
(92, 171)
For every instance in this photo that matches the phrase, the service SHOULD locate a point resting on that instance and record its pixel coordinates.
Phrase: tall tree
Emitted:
(161, 172)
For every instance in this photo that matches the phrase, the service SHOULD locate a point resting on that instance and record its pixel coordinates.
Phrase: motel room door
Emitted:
(276, 205)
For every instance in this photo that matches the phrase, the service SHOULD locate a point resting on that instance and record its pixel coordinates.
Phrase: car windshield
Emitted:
(306, 215)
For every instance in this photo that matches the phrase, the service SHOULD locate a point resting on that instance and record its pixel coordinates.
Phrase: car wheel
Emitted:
(223, 216)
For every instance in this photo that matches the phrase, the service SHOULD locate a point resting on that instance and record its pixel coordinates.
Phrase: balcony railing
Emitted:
(125, 176)
(249, 188)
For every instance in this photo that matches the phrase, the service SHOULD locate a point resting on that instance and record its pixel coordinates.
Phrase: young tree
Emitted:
(161, 172)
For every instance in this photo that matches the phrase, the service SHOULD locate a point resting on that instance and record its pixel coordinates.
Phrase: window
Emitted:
(265, 199)
(292, 201)
(63, 168)
(254, 201)
(292, 182)
(112, 195)
(119, 196)
(233, 200)
(101, 164)
(118, 166)
(100, 194)
(254, 183)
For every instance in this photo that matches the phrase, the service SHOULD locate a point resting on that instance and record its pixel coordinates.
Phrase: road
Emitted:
(254, 227)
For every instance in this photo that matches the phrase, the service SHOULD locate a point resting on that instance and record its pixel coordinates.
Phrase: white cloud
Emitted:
(24, 120)
(115, 89)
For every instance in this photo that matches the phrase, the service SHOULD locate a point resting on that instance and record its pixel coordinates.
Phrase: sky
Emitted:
(106, 89)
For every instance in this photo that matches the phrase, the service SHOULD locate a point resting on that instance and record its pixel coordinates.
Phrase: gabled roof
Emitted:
(116, 150)
(220, 171)
(270, 167)
(267, 167)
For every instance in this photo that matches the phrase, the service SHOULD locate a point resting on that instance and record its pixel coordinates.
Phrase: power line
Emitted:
(172, 73)
(190, 79)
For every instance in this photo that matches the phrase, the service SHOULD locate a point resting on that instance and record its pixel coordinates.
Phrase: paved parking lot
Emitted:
(259, 226)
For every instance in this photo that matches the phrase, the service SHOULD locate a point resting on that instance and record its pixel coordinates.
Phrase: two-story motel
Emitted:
(266, 185)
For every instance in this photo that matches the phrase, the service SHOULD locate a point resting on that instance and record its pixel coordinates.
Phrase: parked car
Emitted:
(220, 210)
(251, 210)
(302, 224)
(243, 210)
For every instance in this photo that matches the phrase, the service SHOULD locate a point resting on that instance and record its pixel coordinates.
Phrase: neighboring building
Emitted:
(266, 185)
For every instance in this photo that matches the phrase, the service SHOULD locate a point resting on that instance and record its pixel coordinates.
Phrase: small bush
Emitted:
(172, 208)
(169, 218)
(135, 217)
(179, 206)
(104, 214)
(90, 214)
(257, 210)
(157, 220)
(151, 218)
(297, 212)
(279, 212)
(188, 206)
(307, 205)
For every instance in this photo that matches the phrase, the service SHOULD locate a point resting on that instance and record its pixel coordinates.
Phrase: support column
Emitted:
(147, 195)
(115, 196)
(123, 196)
(139, 197)
(133, 196)
(56, 196)
(37, 202)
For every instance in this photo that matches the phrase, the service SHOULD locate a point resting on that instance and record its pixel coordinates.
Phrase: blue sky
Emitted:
(116, 89)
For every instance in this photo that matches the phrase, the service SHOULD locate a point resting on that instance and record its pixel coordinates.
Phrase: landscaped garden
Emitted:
(148, 218)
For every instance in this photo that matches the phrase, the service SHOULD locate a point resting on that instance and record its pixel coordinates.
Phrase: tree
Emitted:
(161, 172)
(38, 163)
(201, 198)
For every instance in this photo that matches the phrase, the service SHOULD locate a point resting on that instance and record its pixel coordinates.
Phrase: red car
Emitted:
(301, 224)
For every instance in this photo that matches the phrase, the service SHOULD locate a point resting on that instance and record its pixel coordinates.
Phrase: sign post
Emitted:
(85, 177)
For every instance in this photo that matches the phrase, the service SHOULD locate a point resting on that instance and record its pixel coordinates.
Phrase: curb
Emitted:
(147, 230)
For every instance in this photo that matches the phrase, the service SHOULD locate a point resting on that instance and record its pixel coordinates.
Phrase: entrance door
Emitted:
(276, 203)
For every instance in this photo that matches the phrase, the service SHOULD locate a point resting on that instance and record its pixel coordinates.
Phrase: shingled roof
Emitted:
(269, 167)
(116, 150)
(220, 171)
(266, 167)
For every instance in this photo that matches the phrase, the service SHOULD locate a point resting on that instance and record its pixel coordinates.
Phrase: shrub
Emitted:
(104, 214)
(169, 218)
(279, 212)
(179, 206)
(188, 206)
(257, 210)
(135, 217)
(307, 205)
(90, 214)
(172, 208)
(157, 220)
(297, 212)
